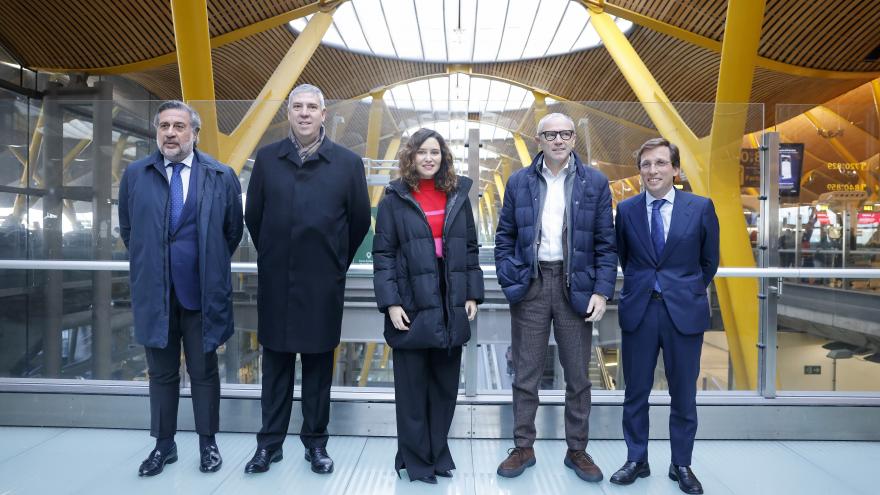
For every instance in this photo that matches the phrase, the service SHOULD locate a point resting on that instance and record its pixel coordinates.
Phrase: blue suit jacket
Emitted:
(684, 269)
(143, 224)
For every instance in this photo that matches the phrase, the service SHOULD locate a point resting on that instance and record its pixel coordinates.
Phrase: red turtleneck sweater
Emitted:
(433, 203)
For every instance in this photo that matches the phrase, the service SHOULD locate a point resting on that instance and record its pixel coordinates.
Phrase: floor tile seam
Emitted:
(63, 430)
(356, 464)
(833, 475)
(471, 441)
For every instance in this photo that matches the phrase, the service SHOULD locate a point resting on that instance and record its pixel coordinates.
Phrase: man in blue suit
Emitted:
(180, 217)
(667, 242)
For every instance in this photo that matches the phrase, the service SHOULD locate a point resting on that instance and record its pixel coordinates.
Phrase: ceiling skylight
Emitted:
(461, 31)
(456, 130)
(459, 93)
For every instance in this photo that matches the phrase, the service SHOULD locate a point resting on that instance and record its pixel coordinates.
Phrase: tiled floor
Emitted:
(90, 461)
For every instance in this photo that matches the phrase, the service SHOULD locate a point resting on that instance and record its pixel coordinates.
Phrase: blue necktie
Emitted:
(657, 237)
(176, 195)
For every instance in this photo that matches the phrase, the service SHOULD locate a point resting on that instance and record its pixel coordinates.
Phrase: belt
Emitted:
(656, 295)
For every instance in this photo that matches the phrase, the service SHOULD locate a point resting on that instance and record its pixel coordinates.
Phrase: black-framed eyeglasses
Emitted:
(551, 135)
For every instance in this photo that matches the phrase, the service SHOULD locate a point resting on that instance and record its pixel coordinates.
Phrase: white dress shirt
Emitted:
(553, 214)
(184, 172)
(665, 210)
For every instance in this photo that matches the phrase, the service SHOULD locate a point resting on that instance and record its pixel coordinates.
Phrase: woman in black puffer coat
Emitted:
(428, 283)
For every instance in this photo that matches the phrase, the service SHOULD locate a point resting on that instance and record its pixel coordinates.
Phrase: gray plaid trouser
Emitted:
(545, 302)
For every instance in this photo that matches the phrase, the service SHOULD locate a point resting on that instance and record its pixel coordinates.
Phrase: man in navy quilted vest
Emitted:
(556, 261)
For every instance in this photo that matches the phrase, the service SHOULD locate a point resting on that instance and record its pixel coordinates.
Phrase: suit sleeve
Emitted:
(474, 272)
(604, 244)
(233, 228)
(385, 250)
(505, 232)
(358, 211)
(253, 211)
(122, 209)
(710, 249)
(620, 230)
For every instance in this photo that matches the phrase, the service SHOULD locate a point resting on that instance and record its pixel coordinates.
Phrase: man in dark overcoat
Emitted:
(180, 217)
(307, 210)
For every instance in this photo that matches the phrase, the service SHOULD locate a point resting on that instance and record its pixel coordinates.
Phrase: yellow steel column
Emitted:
(374, 124)
(540, 106)
(193, 40)
(370, 350)
(29, 165)
(247, 134)
(522, 150)
(738, 297)
(875, 90)
(499, 186)
(695, 164)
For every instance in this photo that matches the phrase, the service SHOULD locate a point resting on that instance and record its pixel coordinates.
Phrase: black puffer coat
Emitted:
(405, 267)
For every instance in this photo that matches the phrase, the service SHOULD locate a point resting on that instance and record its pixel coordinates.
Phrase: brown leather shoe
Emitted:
(518, 459)
(583, 465)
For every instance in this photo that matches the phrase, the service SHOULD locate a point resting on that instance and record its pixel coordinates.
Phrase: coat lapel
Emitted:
(639, 218)
(681, 219)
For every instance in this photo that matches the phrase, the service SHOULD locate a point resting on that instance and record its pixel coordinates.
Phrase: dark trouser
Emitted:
(164, 371)
(425, 390)
(544, 303)
(276, 398)
(681, 360)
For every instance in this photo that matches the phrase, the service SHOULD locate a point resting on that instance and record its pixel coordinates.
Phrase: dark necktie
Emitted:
(657, 237)
(176, 195)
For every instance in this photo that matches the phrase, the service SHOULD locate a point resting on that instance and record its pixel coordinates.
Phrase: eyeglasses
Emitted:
(657, 164)
(551, 135)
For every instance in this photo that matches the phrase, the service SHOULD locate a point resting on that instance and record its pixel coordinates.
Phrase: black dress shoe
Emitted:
(630, 472)
(444, 474)
(155, 462)
(211, 460)
(321, 462)
(261, 460)
(429, 479)
(687, 481)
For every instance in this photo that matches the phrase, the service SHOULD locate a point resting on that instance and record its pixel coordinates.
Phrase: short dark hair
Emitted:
(445, 180)
(650, 144)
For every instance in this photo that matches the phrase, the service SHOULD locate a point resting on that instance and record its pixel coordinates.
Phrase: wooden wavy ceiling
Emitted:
(101, 33)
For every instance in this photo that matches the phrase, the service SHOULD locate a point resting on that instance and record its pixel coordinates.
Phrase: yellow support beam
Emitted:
(374, 124)
(27, 172)
(499, 185)
(875, 90)
(737, 297)
(368, 363)
(522, 150)
(118, 153)
(246, 136)
(192, 38)
(695, 162)
(216, 42)
(386, 352)
(716, 46)
(540, 106)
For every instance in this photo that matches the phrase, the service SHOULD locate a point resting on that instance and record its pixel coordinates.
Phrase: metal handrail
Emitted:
(488, 270)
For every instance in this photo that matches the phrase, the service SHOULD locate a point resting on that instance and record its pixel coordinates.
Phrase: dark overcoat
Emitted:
(306, 221)
(406, 272)
(144, 208)
(588, 239)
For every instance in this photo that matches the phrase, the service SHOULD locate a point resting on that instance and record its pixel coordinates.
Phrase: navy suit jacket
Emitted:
(684, 268)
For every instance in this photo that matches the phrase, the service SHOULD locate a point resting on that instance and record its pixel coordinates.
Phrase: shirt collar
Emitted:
(545, 170)
(670, 197)
(187, 162)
